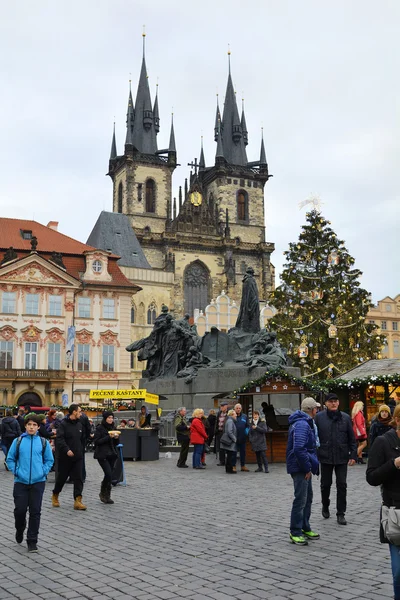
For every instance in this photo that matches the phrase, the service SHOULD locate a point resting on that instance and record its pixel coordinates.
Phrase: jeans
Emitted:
(184, 451)
(107, 464)
(301, 509)
(230, 460)
(341, 486)
(28, 497)
(242, 452)
(395, 558)
(69, 468)
(197, 452)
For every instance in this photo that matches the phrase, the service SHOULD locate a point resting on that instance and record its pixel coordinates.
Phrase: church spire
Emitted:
(156, 113)
(263, 158)
(172, 146)
(113, 153)
(233, 141)
(130, 118)
(144, 129)
(244, 126)
(219, 156)
(202, 162)
(217, 121)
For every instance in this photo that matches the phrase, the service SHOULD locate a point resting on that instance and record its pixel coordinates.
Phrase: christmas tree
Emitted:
(320, 305)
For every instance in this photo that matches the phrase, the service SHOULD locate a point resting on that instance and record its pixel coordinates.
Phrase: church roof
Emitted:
(232, 135)
(144, 136)
(113, 232)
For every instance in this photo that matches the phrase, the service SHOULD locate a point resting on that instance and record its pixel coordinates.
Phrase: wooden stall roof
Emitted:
(278, 382)
(373, 368)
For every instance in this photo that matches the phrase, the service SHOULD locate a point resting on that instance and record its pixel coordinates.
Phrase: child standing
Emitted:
(258, 441)
(30, 459)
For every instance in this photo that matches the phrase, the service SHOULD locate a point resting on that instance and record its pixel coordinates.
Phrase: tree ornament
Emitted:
(302, 350)
(332, 331)
(333, 258)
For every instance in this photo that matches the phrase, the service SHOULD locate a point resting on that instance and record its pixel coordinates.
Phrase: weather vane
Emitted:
(313, 199)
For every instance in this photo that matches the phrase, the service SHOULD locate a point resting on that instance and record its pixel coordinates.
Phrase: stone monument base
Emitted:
(205, 388)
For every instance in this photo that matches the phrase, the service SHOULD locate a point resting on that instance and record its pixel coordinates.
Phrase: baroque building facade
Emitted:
(204, 240)
(386, 314)
(64, 310)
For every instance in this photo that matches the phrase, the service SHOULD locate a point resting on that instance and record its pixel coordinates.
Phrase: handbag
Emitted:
(390, 521)
(225, 439)
(207, 449)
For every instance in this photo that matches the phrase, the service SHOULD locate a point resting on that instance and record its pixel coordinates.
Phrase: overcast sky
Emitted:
(320, 76)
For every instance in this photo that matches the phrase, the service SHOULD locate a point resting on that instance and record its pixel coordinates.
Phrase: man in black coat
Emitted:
(338, 449)
(219, 430)
(69, 449)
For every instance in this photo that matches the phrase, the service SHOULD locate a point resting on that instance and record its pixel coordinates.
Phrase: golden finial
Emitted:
(229, 49)
(144, 31)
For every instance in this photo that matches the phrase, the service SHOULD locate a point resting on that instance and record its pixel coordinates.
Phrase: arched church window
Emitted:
(120, 194)
(133, 313)
(196, 287)
(242, 205)
(151, 314)
(150, 196)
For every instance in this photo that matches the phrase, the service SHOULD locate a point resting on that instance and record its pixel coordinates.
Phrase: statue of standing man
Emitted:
(249, 315)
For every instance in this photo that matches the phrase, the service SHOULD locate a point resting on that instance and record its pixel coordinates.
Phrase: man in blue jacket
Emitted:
(30, 458)
(242, 428)
(301, 464)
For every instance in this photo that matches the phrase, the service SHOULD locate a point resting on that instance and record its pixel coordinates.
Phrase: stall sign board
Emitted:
(151, 398)
(118, 394)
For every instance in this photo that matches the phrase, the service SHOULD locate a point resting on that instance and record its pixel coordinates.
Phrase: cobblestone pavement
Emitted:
(199, 535)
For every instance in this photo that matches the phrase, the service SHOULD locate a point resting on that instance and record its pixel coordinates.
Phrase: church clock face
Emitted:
(196, 198)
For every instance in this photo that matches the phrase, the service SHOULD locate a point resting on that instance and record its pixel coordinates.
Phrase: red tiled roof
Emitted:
(48, 239)
(52, 241)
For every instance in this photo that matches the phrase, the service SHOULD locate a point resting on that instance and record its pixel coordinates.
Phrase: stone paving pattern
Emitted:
(194, 535)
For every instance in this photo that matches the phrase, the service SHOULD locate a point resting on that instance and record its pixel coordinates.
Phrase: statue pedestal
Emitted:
(208, 384)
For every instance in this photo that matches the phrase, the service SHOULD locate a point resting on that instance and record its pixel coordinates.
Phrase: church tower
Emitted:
(142, 175)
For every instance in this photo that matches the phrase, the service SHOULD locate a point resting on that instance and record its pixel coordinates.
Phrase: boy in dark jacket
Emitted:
(338, 449)
(69, 450)
(30, 459)
(301, 464)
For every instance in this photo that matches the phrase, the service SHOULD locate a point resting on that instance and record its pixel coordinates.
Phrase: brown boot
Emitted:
(54, 500)
(244, 468)
(78, 505)
(233, 469)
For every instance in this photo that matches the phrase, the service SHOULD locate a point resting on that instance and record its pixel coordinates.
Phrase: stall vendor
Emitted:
(144, 417)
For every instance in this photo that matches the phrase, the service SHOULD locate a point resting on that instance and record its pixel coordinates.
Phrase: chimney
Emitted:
(53, 225)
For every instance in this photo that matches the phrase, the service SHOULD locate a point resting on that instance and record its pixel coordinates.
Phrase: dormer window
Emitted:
(26, 234)
(97, 266)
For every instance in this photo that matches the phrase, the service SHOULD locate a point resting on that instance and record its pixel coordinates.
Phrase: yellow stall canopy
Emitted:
(142, 395)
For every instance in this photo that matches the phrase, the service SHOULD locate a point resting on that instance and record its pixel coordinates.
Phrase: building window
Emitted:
(140, 192)
(54, 356)
(83, 357)
(151, 314)
(55, 306)
(383, 325)
(108, 308)
(97, 266)
(6, 355)
(229, 180)
(120, 195)
(26, 235)
(242, 206)
(150, 196)
(108, 358)
(395, 326)
(132, 315)
(84, 307)
(242, 183)
(396, 347)
(388, 307)
(196, 282)
(8, 302)
(32, 304)
(30, 355)
(372, 322)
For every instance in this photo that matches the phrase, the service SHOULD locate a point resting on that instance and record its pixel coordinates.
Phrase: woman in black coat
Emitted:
(384, 470)
(105, 451)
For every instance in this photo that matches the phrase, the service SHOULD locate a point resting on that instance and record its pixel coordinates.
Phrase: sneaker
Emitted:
(300, 540)
(311, 535)
(19, 536)
(32, 547)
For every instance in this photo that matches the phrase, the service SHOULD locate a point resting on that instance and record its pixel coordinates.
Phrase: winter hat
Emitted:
(107, 413)
(224, 403)
(382, 408)
(331, 397)
(309, 404)
(32, 417)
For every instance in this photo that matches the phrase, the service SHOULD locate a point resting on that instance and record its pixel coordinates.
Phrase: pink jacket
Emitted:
(359, 426)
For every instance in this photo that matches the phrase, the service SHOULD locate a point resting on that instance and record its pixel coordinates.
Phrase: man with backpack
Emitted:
(10, 430)
(30, 459)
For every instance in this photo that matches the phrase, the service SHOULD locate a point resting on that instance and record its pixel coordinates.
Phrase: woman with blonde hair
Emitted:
(228, 441)
(360, 431)
(384, 470)
(198, 436)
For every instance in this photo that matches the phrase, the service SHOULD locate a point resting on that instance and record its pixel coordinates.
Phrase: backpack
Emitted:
(19, 440)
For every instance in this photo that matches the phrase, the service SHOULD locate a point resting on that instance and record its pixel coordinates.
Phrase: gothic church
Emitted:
(216, 229)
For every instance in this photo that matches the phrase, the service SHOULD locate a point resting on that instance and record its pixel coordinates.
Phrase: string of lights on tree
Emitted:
(321, 308)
